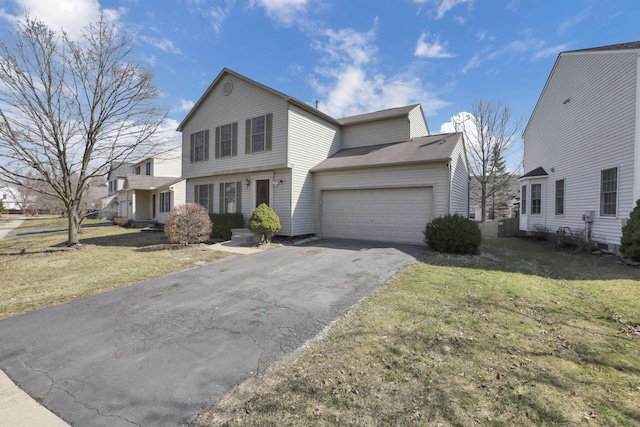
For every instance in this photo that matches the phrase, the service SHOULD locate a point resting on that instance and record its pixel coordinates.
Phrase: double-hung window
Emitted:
(202, 197)
(148, 168)
(560, 197)
(136, 170)
(257, 134)
(229, 197)
(536, 198)
(609, 192)
(198, 147)
(165, 201)
(225, 141)
(523, 200)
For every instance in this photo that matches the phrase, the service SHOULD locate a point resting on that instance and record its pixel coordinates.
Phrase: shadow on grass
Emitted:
(518, 255)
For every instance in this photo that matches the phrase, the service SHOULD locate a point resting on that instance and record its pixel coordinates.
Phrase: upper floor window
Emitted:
(560, 197)
(136, 170)
(225, 141)
(258, 134)
(536, 198)
(148, 168)
(199, 150)
(609, 192)
(523, 200)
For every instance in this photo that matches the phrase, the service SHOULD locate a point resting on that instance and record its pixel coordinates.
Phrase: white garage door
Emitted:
(386, 215)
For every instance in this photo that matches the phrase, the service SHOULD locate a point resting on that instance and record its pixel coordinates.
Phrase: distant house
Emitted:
(152, 188)
(115, 183)
(376, 176)
(503, 204)
(10, 198)
(582, 146)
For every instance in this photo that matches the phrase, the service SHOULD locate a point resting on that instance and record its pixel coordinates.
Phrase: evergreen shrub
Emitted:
(223, 224)
(453, 233)
(264, 222)
(630, 241)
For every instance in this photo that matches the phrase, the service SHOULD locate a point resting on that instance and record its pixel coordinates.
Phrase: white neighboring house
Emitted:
(581, 146)
(10, 198)
(376, 176)
(152, 188)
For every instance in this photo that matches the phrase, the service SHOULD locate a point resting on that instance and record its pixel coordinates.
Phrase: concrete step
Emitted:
(242, 235)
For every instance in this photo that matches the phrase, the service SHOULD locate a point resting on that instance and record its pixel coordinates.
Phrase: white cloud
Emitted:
(218, 13)
(348, 81)
(551, 51)
(162, 44)
(575, 20)
(185, 105)
(473, 63)
(285, 12)
(444, 6)
(425, 49)
(71, 15)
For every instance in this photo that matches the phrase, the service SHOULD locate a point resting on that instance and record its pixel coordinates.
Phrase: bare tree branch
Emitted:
(69, 108)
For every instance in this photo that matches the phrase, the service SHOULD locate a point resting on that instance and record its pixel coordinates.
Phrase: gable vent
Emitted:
(227, 87)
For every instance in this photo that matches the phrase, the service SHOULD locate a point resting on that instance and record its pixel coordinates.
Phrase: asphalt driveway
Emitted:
(157, 352)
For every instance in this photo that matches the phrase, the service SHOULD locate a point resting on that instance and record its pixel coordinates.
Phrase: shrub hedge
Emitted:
(264, 222)
(223, 224)
(630, 241)
(453, 233)
(188, 223)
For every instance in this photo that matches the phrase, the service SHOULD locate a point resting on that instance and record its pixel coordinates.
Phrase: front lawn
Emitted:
(522, 334)
(38, 270)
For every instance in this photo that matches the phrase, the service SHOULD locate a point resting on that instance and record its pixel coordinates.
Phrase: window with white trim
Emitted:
(225, 141)
(229, 197)
(198, 147)
(257, 134)
(165, 201)
(136, 170)
(202, 197)
(609, 192)
(536, 198)
(148, 168)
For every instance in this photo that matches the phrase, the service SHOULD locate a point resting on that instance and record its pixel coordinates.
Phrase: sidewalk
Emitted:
(7, 226)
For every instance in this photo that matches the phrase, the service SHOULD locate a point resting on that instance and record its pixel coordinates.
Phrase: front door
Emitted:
(262, 192)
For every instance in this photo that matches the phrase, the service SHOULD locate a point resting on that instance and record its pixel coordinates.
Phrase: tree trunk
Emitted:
(74, 224)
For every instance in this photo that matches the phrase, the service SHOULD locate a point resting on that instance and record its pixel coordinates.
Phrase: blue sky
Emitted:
(354, 56)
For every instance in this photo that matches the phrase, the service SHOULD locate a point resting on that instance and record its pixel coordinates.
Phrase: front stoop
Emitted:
(242, 236)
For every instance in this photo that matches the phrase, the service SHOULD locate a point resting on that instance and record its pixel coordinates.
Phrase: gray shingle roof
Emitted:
(147, 182)
(378, 115)
(539, 171)
(432, 148)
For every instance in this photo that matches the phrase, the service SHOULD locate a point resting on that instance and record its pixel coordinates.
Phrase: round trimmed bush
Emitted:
(264, 222)
(188, 223)
(630, 241)
(453, 233)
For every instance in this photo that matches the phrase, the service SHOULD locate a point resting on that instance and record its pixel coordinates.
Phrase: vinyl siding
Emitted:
(576, 140)
(390, 177)
(373, 133)
(280, 194)
(246, 101)
(168, 163)
(459, 195)
(417, 124)
(311, 140)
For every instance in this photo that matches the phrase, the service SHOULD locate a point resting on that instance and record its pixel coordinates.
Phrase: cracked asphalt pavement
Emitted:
(157, 352)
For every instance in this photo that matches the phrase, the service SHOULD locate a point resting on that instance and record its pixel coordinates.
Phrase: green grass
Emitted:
(522, 334)
(38, 270)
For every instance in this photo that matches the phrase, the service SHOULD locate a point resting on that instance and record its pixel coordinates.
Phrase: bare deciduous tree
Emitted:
(489, 131)
(69, 108)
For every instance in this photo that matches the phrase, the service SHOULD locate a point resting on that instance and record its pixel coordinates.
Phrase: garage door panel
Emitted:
(394, 215)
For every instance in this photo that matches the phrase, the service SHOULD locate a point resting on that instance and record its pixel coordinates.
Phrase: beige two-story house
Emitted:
(377, 176)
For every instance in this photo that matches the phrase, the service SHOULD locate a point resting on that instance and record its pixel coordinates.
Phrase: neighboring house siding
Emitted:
(459, 198)
(311, 140)
(374, 133)
(434, 175)
(585, 121)
(418, 125)
(246, 101)
(168, 163)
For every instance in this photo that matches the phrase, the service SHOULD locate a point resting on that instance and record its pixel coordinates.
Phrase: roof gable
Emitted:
(390, 113)
(229, 73)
